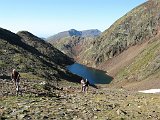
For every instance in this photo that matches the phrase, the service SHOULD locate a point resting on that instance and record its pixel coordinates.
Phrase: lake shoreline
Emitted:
(94, 76)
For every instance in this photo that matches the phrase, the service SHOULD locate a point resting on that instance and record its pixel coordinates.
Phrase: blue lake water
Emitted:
(93, 75)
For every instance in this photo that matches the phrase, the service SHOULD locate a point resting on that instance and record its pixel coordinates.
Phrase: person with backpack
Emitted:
(15, 76)
(82, 85)
(85, 85)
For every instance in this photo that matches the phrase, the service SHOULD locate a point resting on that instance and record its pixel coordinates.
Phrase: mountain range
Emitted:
(73, 32)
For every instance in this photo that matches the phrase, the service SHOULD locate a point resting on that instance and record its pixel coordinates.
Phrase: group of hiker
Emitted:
(15, 76)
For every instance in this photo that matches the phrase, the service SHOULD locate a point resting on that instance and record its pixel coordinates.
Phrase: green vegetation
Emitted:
(30, 76)
(143, 65)
(2, 64)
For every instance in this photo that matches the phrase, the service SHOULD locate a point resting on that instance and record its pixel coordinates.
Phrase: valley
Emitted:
(119, 63)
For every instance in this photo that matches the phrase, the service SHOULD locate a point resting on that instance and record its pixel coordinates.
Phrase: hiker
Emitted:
(15, 76)
(85, 85)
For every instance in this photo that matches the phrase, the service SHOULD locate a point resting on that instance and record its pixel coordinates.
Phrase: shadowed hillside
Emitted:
(32, 55)
(45, 48)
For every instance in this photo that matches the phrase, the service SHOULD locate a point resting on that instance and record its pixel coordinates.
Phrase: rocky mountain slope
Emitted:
(70, 103)
(139, 25)
(131, 43)
(73, 42)
(145, 66)
(32, 56)
(72, 46)
(73, 32)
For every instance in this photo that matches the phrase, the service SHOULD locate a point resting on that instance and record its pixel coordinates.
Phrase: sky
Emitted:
(48, 17)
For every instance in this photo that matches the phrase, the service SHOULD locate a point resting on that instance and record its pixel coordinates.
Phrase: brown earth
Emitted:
(152, 82)
(118, 63)
(113, 65)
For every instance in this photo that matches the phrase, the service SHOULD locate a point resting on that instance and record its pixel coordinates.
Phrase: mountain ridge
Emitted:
(73, 32)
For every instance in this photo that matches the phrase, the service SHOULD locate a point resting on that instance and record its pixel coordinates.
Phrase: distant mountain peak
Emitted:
(73, 32)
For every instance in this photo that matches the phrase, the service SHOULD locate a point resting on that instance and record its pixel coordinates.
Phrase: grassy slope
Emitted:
(146, 64)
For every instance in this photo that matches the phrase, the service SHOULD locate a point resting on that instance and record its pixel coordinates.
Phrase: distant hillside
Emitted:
(73, 32)
(32, 55)
(91, 33)
(72, 46)
(73, 42)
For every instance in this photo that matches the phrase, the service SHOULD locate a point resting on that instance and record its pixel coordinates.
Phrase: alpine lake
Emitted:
(94, 76)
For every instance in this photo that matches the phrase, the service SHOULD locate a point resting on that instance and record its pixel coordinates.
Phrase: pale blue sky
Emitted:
(47, 17)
